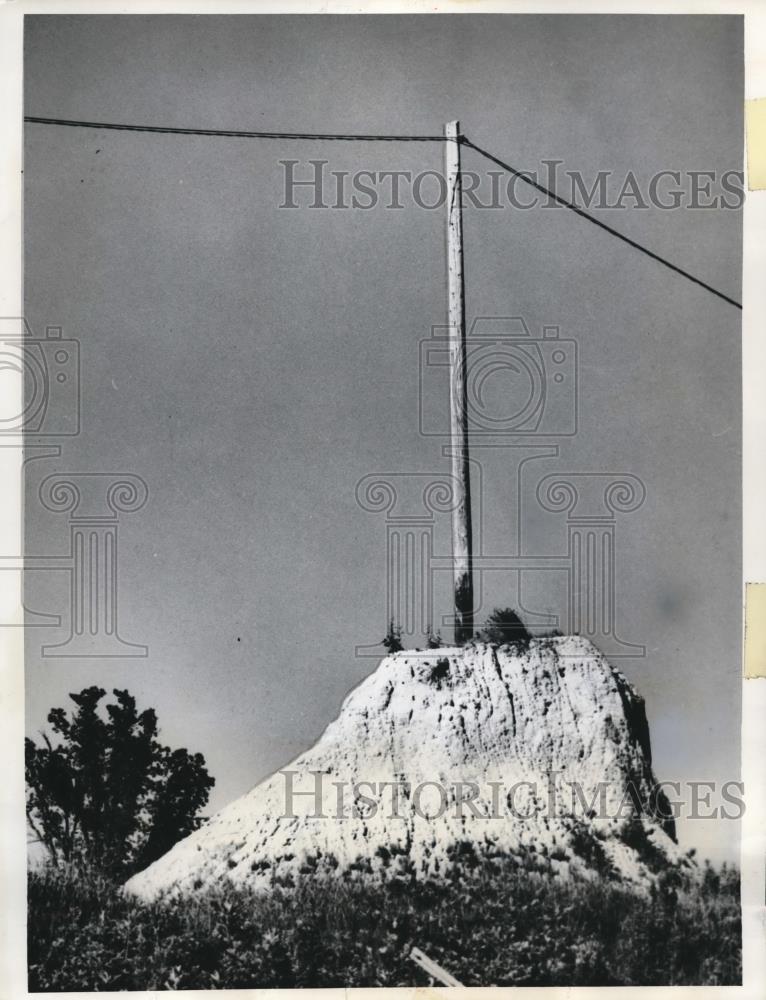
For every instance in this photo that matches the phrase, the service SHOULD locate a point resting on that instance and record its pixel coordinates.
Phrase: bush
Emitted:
(104, 792)
(504, 626)
(392, 641)
(433, 639)
(586, 845)
(490, 923)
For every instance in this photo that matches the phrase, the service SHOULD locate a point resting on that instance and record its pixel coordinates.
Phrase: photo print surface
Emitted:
(382, 500)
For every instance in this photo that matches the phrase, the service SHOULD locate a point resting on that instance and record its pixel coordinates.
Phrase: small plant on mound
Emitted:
(392, 641)
(504, 627)
(439, 672)
(433, 639)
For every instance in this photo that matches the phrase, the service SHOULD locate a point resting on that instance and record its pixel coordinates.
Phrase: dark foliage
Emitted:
(104, 793)
(586, 845)
(392, 641)
(500, 923)
(634, 836)
(433, 639)
(439, 672)
(504, 626)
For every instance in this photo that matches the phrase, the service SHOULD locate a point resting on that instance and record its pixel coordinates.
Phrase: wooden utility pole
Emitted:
(461, 513)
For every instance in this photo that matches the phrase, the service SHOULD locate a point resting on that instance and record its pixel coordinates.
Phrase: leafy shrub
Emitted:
(103, 792)
(392, 641)
(504, 626)
(439, 672)
(489, 923)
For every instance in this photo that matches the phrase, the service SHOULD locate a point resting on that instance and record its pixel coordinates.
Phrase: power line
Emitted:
(235, 134)
(597, 222)
(371, 137)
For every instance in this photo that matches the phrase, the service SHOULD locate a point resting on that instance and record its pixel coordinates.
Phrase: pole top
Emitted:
(452, 130)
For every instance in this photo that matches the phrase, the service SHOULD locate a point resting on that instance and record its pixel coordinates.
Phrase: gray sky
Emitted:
(253, 363)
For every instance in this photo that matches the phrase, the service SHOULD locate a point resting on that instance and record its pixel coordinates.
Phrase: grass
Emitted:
(491, 924)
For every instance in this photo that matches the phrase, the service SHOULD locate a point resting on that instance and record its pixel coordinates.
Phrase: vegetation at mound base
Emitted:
(103, 792)
(497, 924)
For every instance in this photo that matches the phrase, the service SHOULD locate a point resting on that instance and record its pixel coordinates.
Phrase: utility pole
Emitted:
(461, 513)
